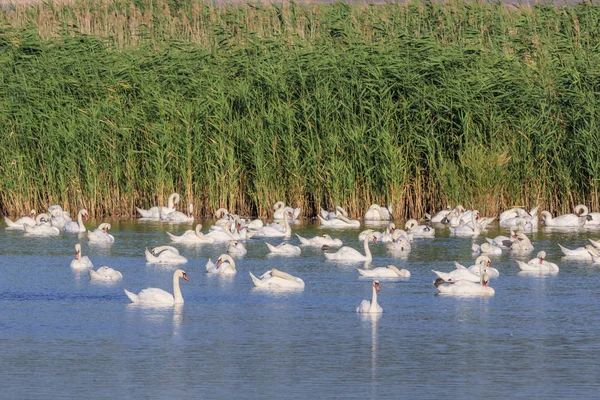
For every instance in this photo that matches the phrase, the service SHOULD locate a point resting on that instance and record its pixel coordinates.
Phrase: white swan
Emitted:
(583, 253)
(284, 212)
(349, 254)
(320, 241)
(372, 306)
(222, 234)
(481, 263)
(80, 262)
(284, 248)
(43, 227)
(59, 218)
(339, 222)
(412, 226)
(459, 274)
(179, 217)
(333, 214)
(275, 279)
(78, 227)
(192, 237)
(378, 213)
(235, 247)
(272, 231)
(225, 266)
(382, 237)
(583, 211)
(155, 296)
(400, 245)
(101, 235)
(454, 218)
(440, 216)
(390, 271)
(164, 255)
(465, 229)
(565, 221)
(486, 248)
(105, 273)
(595, 243)
(465, 287)
(157, 211)
(538, 264)
(18, 224)
(521, 243)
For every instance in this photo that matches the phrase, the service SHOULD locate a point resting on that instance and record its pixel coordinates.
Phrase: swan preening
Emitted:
(275, 279)
(155, 296)
(281, 211)
(320, 241)
(18, 224)
(157, 212)
(101, 235)
(285, 249)
(178, 216)
(390, 271)
(372, 306)
(379, 213)
(192, 237)
(538, 264)
(105, 273)
(464, 282)
(43, 227)
(225, 266)
(164, 255)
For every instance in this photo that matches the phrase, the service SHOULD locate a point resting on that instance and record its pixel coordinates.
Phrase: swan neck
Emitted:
(176, 290)
(367, 249)
(374, 299)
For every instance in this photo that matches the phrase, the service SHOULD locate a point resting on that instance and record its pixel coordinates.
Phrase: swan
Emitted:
(367, 306)
(384, 272)
(105, 274)
(453, 218)
(595, 243)
(225, 266)
(339, 222)
(155, 296)
(282, 211)
(43, 227)
(583, 211)
(503, 242)
(80, 262)
(509, 217)
(349, 254)
(486, 248)
(378, 213)
(439, 217)
(320, 241)
(101, 235)
(165, 255)
(157, 211)
(235, 247)
(412, 226)
(467, 230)
(565, 221)
(275, 279)
(482, 262)
(284, 248)
(18, 224)
(383, 237)
(466, 288)
(584, 253)
(59, 218)
(271, 231)
(399, 246)
(538, 264)
(459, 274)
(521, 242)
(333, 214)
(223, 216)
(78, 227)
(178, 216)
(222, 235)
(192, 236)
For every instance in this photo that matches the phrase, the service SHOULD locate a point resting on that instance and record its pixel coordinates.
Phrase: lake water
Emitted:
(62, 336)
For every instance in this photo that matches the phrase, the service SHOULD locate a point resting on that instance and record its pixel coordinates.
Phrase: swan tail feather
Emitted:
(9, 222)
(257, 282)
(173, 237)
(132, 296)
(302, 240)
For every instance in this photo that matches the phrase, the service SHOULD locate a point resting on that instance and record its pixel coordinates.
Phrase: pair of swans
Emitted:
(284, 249)
(274, 230)
(155, 296)
(276, 279)
(225, 266)
(371, 307)
(347, 253)
(164, 255)
(177, 217)
(43, 227)
(18, 224)
(465, 282)
(157, 212)
(390, 271)
(538, 264)
(383, 237)
(379, 213)
(192, 236)
(101, 235)
(512, 216)
(467, 229)
(282, 212)
(465, 274)
(320, 241)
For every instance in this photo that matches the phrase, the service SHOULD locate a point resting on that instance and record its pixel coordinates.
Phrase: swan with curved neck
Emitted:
(271, 231)
(412, 226)
(225, 266)
(78, 227)
(101, 235)
(42, 227)
(157, 212)
(390, 271)
(583, 211)
(372, 306)
(80, 262)
(472, 229)
(155, 296)
(18, 224)
(339, 221)
(192, 236)
(164, 255)
(179, 217)
(350, 254)
(276, 279)
(538, 264)
(566, 220)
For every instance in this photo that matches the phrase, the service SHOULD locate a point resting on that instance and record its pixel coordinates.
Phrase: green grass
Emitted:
(115, 104)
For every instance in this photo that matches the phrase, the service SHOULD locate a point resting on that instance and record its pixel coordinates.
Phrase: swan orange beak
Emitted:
(77, 255)
(185, 276)
(375, 240)
(219, 262)
(377, 286)
(86, 217)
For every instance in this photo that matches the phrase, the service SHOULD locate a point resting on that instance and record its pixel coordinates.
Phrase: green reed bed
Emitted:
(110, 105)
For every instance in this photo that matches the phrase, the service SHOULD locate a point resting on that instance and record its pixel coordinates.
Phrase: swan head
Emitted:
(32, 213)
(278, 205)
(411, 223)
(77, 251)
(173, 199)
(541, 255)
(485, 279)
(181, 274)
(376, 285)
(225, 258)
(581, 210)
(84, 214)
(190, 210)
(483, 260)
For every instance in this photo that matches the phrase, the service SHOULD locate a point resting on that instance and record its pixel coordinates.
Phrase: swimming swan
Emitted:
(105, 274)
(275, 279)
(78, 227)
(80, 262)
(18, 224)
(101, 235)
(349, 254)
(225, 266)
(164, 255)
(372, 306)
(157, 212)
(384, 272)
(155, 296)
(192, 236)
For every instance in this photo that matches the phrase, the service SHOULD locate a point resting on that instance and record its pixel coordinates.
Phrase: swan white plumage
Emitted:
(285, 249)
(503, 242)
(538, 264)
(440, 216)
(521, 243)
(583, 253)
(105, 273)
(382, 237)
(78, 227)
(399, 246)
(465, 229)
(333, 214)
(18, 224)
(179, 217)
(467, 287)
(320, 241)
(378, 213)
(101, 235)
(222, 234)
(350, 254)
(481, 263)
(390, 271)
(284, 212)
(192, 236)
(272, 231)
(80, 262)
(164, 255)
(372, 306)
(157, 211)
(583, 211)
(59, 218)
(275, 279)
(339, 222)
(459, 274)
(565, 221)
(155, 296)
(225, 266)
(43, 227)
(486, 248)
(412, 226)
(235, 247)
(595, 243)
